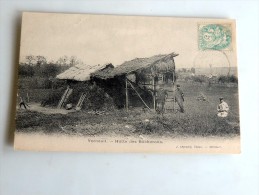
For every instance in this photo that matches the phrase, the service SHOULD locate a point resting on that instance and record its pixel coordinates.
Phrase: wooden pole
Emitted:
(138, 95)
(173, 91)
(127, 98)
(28, 98)
(154, 93)
(163, 78)
(173, 104)
(173, 77)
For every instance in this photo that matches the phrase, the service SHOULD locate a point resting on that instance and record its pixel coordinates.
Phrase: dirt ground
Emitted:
(45, 110)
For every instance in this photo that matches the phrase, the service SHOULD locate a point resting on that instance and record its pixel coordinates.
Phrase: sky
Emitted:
(100, 39)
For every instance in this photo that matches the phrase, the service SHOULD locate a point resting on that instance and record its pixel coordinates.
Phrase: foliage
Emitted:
(39, 66)
(227, 79)
(186, 70)
(26, 70)
(50, 70)
(196, 78)
(199, 79)
(47, 70)
(193, 70)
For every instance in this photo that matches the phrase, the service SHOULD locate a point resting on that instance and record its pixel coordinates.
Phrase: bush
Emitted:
(233, 79)
(228, 79)
(26, 70)
(199, 79)
(50, 70)
(46, 70)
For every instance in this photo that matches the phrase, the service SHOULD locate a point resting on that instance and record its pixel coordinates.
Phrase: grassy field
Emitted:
(200, 118)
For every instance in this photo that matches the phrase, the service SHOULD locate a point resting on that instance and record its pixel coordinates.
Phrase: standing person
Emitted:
(179, 97)
(222, 108)
(23, 103)
(161, 97)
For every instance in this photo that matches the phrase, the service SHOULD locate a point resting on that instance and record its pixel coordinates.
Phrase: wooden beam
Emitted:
(173, 96)
(139, 95)
(154, 93)
(173, 77)
(60, 104)
(127, 100)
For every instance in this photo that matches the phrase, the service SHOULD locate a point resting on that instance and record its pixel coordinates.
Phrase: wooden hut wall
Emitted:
(116, 89)
(143, 73)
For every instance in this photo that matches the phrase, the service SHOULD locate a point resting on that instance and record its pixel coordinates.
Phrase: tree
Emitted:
(30, 60)
(35, 60)
(40, 60)
(63, 61)
(73, 61)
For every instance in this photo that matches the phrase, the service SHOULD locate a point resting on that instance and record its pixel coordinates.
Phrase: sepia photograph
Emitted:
(109, 83)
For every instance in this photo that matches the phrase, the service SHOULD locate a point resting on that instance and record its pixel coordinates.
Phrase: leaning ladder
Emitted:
(80, 102)
(64, 97)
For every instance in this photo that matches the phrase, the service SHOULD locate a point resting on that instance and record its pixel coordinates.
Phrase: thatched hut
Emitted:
(129, 84)
(82, 72)
(141, 76)
(81, 87)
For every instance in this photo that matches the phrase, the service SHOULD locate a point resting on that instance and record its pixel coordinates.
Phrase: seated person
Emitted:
(222, 108)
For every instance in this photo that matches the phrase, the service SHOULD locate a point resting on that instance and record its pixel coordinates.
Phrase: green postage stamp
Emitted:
(215, 37)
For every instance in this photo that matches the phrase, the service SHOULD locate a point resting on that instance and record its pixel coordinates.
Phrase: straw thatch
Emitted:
(80, 72)
(158, 63)
(102, 73)
(155, 64)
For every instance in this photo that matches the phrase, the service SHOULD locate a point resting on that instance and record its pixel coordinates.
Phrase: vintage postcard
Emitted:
(105, 83)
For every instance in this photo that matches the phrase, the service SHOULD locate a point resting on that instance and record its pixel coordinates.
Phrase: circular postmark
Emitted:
(215, 37)
(213, 63)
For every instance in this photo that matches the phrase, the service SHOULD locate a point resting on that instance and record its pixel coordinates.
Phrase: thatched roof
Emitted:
(80, 72)
(102, 73)
(160, 63)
